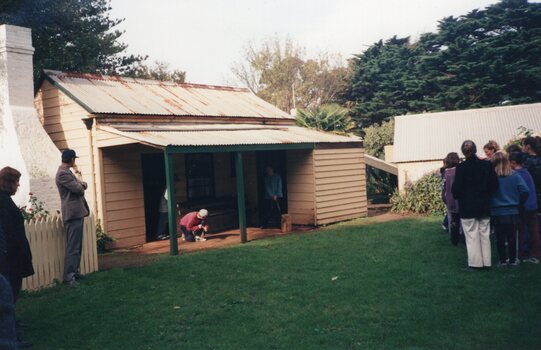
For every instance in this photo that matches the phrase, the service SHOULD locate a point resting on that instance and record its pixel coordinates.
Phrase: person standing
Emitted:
(18, 254)
(74, 209)
(8, 334)
(504, 209)
(528, 225)
(451, 161)
(475, 183)
(491, 148)
(15, 255)
(163, 210)
(273, 195)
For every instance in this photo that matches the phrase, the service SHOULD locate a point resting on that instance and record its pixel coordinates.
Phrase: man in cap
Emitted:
(74, 208)
(194, 225)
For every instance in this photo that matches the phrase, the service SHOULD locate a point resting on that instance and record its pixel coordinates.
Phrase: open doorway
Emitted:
(153, 166)
(277, 160)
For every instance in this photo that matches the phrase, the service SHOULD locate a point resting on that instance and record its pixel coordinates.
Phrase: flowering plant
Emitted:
(35, 209)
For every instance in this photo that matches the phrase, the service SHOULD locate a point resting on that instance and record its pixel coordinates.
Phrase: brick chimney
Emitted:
(24, 144)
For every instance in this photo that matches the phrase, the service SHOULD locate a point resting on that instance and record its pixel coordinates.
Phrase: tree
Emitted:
(332, 117)
(278, 72)
(158, 71)
(72, 35)
(384, 81)
(485, 58)
(376, 137)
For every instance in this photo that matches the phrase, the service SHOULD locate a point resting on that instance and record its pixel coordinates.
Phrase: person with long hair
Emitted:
(17, 262)
(451, 161)
(475, 182)
(504, 209)
(19, 256)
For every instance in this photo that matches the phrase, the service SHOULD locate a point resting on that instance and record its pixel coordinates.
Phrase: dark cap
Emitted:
(68, 154)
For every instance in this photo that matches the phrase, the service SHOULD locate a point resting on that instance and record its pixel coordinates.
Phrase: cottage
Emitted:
(421, 141)
(134, 137)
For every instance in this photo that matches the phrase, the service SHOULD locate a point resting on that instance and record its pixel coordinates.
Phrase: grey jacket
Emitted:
(72, 194)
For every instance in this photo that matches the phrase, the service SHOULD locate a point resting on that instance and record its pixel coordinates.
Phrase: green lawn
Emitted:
(395, 285)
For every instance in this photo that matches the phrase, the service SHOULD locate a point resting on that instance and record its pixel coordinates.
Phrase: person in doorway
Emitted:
(71, 188)
(162, 232)
(273, 196)
(194, 225)
(475, 183)
(163, 210)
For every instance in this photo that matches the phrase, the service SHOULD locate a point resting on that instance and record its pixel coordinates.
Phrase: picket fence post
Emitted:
(48, 245)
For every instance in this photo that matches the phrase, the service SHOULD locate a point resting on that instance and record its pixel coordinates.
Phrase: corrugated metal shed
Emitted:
(100, 94)
(214, 136)
(431, 136)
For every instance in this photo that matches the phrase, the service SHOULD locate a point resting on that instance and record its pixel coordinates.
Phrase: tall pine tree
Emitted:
(488, 57)
(71, 35)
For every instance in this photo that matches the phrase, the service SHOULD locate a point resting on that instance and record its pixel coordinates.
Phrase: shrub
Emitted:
(102, 238)
(423, 197)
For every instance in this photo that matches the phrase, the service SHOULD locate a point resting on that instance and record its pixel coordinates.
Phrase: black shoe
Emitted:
(162, 237)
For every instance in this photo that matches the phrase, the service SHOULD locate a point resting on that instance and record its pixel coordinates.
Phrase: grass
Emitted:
(394, 285)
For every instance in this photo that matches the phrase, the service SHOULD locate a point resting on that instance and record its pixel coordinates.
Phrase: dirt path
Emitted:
(151, 251)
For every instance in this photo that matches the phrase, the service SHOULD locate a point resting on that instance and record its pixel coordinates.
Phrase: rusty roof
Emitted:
(101, 94)
(226, 135)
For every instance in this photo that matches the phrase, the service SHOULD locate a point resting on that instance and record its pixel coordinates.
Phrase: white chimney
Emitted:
(24, 144)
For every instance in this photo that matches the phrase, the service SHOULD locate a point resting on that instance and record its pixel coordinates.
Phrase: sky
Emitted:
(206, 38)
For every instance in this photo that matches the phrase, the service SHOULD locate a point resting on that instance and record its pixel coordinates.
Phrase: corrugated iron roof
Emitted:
(232, 137)
(102, 94)
(432, 136)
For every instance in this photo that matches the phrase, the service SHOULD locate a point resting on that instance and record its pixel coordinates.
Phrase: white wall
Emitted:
(24, 144)
(411, 172)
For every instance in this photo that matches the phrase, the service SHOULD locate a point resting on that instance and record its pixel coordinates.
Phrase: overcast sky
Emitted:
(206, 37)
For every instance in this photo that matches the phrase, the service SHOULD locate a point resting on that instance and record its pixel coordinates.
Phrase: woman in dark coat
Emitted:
(475, 183)
(18, 254)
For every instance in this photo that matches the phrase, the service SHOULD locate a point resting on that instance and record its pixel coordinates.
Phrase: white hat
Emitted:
(203, 213)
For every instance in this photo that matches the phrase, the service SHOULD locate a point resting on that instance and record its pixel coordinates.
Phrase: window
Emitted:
(200, 176)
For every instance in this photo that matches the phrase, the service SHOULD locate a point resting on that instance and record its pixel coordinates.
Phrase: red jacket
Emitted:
(191, 221)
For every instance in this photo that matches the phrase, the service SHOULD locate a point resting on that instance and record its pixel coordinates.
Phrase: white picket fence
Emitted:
(48, 245)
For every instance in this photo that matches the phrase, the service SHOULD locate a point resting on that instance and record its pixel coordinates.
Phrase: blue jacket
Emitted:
(531, 202)
(273, 186)
(512, 191)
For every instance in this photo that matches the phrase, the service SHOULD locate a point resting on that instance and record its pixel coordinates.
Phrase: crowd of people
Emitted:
(498, 194)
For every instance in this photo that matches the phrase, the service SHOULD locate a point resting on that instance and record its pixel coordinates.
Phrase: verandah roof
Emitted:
(226, 136)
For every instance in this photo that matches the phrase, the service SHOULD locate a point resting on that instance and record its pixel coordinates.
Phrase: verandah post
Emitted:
(240, 196)
(171, 203)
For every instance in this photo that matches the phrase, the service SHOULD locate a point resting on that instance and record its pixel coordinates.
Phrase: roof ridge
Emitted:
(131, 80)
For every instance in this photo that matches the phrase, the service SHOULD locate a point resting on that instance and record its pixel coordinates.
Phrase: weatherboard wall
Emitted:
(300, 187)
(62, 119)
(340, 184)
